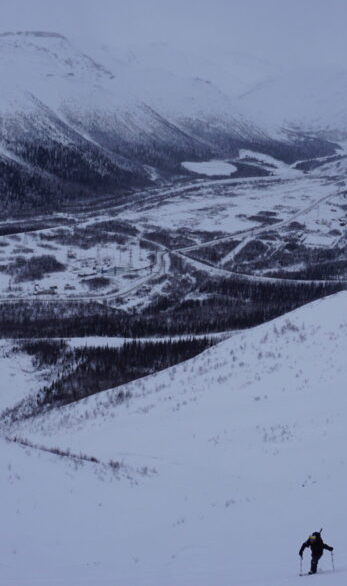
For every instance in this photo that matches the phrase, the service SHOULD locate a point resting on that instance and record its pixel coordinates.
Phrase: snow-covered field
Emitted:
(230, 205)
(276, 166)
(229, 461)
(118, 264)
(211, 168)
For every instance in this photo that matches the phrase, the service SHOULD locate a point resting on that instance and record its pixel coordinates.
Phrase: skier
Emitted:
(315, 542)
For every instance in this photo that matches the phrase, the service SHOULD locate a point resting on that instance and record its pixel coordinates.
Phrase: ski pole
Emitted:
(300, 565)
(332, 561)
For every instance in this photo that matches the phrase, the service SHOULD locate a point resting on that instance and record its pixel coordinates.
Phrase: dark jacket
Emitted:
(317, 545)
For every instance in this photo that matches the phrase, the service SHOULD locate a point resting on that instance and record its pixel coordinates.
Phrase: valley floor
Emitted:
(271, 227)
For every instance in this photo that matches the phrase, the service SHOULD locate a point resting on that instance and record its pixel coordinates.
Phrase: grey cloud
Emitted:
(307, 32)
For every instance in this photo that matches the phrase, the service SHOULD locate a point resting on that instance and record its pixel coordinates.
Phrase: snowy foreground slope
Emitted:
(245, 449)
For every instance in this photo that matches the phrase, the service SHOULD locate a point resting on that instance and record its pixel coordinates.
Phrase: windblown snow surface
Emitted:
(229, 461)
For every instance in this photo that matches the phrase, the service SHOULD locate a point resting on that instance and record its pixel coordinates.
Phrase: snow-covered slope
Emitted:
(229, 461)
(47, 68)
(45, 154)
(310, 100)
(73, 126)
(233, 72)
(79, 123)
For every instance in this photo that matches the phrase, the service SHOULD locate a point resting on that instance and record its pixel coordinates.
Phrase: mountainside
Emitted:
(68, 121)
(73, 127)
(220, 466)
(311, 101)
(233, 73)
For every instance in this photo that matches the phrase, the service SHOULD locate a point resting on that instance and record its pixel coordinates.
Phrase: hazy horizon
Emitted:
(306, 33)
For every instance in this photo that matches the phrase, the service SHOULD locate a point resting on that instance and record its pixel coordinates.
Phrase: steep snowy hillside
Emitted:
(201, 93)
(69, 124)
(227, 463)
(234, 73)
(64, 114)
(41, 153)
(310, 100)
(72, 126)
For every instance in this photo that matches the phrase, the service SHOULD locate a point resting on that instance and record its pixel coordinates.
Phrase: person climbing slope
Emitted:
(315, 542)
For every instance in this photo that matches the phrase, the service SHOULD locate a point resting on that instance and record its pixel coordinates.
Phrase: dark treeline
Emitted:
(61, 172)
(74, 163)
(34, 267)
(247, 289)
(116, 226)
(91, 370)
(329, 270)
(219, 304)
(28, 226)
(169, 239)
(45, 352)
(213, 253)
(86, 237)
(23, 188)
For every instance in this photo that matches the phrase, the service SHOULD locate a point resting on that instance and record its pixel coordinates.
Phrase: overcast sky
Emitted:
(310, 32)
